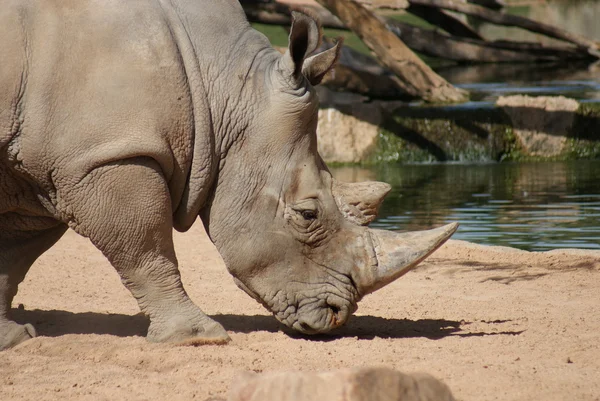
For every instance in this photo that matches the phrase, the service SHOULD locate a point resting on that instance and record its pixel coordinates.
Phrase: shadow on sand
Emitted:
(54, 323)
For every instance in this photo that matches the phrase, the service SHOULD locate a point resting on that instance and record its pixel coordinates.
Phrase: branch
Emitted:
(416, 77)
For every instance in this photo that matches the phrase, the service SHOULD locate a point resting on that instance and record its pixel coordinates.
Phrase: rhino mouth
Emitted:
(315, 315)
(307, 315)
(322, 320)
(315, 311)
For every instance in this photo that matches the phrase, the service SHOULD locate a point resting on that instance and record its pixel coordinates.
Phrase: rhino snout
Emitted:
(322, 320)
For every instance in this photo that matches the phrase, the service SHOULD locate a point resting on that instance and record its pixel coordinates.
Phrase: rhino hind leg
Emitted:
(16, 257)
(125, 210)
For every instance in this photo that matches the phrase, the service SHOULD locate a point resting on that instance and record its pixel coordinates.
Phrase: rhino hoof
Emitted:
(213, 335)
(184, 333)
(13, 334)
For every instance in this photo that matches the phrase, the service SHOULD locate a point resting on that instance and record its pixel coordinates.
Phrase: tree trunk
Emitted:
(416, 77)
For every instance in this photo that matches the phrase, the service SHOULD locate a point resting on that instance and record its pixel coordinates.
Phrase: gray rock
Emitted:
(348, 127)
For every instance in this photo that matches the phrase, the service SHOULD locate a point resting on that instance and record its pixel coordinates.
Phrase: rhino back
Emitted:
(104, 82)
(12, 68)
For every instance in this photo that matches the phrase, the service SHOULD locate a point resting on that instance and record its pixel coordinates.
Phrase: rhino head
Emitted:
(293, 237)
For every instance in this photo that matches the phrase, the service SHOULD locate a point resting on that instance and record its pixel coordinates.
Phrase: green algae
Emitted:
(457, 134)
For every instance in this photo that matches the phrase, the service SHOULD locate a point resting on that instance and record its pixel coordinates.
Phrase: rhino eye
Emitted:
(309, 214)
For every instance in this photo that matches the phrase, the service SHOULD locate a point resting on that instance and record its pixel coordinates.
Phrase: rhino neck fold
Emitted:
(217, 73)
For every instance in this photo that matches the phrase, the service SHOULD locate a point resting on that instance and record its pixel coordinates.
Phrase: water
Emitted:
(531, 206)
(486, 83)
(587, 91)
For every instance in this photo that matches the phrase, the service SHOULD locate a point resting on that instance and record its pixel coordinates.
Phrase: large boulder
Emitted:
(541, 124)
(357, 384)
(348, 127)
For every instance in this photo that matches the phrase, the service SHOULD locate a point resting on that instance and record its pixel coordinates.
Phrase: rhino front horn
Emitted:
(394, 254)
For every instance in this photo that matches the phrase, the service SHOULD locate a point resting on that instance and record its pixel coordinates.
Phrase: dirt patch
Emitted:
(492, 323)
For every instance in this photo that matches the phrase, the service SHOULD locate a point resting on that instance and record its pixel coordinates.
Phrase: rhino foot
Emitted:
(183, 331)
(12, 334)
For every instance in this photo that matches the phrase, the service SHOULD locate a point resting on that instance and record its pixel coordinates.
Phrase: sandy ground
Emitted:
(493, 323)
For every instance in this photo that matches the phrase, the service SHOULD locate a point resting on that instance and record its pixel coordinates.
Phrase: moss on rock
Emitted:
(442, 134)
(462, 133)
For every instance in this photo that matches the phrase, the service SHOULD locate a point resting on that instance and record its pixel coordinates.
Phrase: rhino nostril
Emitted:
(336, 316)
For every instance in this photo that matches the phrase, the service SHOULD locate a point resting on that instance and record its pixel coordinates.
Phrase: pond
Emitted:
(531, 206)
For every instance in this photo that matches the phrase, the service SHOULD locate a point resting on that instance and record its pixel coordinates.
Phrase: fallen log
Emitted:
(428, 42)
(384, 4)
(403, 4)
(512, 20)
(274, 13)
(384, 87)
(493, 4)
(437, 44)
(442, 19)
(415, 77)
(359, 73)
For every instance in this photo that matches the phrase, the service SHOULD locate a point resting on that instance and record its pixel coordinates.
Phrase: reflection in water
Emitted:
(532, 206)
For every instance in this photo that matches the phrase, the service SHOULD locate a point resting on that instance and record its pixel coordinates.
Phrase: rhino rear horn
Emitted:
(359, 202)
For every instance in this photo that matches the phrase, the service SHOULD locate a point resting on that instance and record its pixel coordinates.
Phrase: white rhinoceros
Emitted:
(125, 119)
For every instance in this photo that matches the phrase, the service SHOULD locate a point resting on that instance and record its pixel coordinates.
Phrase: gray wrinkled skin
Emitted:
(125, 119)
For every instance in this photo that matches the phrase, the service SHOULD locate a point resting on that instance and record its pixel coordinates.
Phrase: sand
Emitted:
(492, 323)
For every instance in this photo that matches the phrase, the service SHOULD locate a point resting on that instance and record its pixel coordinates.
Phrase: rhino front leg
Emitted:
(125, 210)
(18, 251)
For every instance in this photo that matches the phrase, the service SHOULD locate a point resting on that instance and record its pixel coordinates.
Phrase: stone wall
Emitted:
(352, 130)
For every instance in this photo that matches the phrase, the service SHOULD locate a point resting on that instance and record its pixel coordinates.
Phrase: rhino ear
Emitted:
(315, 67)
(305, 38)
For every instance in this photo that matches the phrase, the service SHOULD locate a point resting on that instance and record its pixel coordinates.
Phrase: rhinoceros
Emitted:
(125, 119)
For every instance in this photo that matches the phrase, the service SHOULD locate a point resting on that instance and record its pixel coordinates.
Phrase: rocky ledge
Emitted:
(352, 130)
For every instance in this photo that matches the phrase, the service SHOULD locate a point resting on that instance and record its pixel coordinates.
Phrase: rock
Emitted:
(348, 127)
(353, 174)
(358, 384)
(541, 124)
